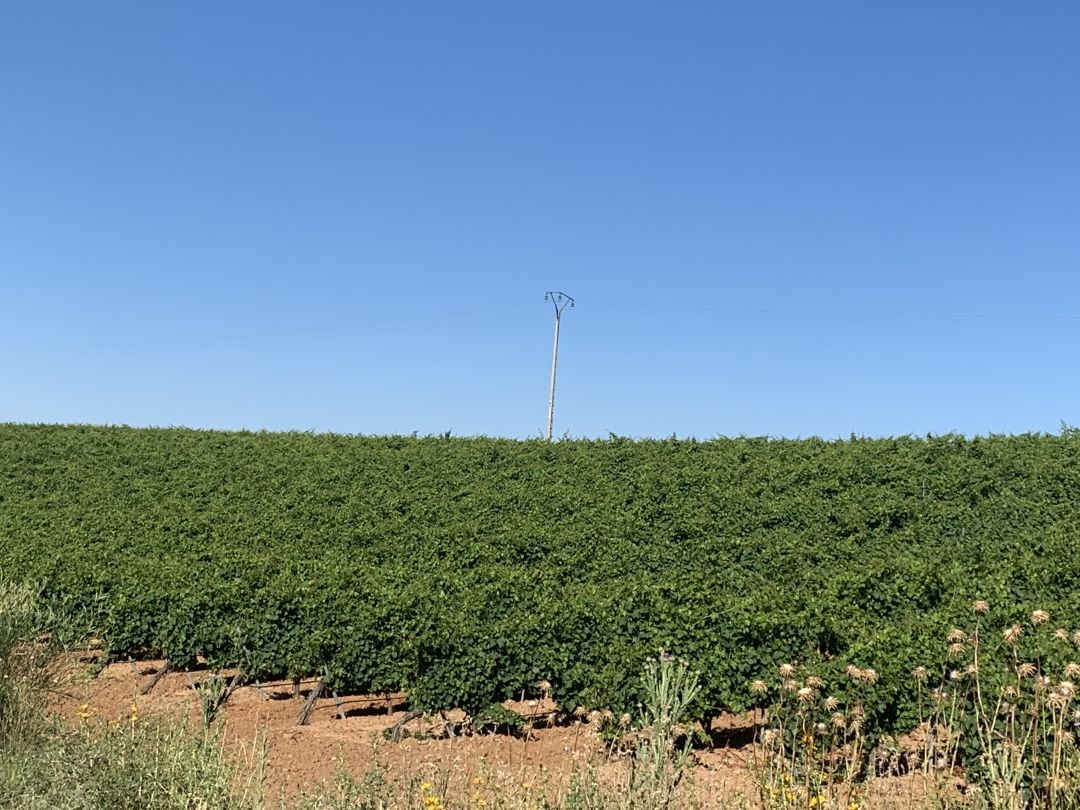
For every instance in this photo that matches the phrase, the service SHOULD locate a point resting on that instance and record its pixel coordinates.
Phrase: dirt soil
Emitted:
(348, 735)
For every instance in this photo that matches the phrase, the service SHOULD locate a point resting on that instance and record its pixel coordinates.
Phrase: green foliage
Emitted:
(467, 570)
(497, 717)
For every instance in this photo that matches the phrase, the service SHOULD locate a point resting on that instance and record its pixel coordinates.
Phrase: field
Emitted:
(465, 571)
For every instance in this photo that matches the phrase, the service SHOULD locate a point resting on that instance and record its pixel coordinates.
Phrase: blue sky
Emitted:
(777, 218)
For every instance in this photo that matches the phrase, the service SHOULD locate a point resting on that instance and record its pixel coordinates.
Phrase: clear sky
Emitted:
(787, 219)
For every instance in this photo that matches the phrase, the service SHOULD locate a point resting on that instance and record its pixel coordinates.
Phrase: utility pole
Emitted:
(560, 301)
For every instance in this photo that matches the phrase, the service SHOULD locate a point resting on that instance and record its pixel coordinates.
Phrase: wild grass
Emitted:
(139, 763)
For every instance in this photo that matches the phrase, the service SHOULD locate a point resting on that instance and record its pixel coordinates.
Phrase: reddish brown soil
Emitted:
(301, 758)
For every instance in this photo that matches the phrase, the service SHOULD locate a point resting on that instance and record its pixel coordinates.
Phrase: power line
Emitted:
(239, 338)
(818, 313)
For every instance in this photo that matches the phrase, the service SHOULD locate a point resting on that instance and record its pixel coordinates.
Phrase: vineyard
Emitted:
(465, 570)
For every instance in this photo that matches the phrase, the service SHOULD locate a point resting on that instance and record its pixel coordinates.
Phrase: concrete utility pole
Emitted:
(560, 301)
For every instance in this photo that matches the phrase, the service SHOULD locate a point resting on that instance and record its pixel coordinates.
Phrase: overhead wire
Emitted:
(820, 313)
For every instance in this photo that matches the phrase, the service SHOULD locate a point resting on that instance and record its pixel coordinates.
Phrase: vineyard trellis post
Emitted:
(560, 301)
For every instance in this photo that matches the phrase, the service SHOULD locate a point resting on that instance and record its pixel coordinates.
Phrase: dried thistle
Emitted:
(1012, 634)
(759, 687)
(980, 606)
(1039, 617)
(786, 670)
(956, 636)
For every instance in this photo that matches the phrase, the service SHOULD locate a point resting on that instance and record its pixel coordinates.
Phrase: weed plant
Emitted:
(137, 763)
(1001, 720)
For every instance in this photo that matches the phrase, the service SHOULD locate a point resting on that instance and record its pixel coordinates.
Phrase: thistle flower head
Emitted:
(919, 674)
(1039, 617)
(1012, 634)
(956, 636)
(831, 704)
(1026, 669)
(1061, 634)
(786, 670)
(814, 682)
(1072, 670)
(956, 648)
(805, 695)
(758, 687)
(980, 606)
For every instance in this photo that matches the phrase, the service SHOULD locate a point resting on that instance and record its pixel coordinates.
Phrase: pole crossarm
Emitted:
(559, 300)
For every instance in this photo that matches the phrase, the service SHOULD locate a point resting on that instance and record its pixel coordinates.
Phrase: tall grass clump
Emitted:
(138, 763)
(23, 665)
